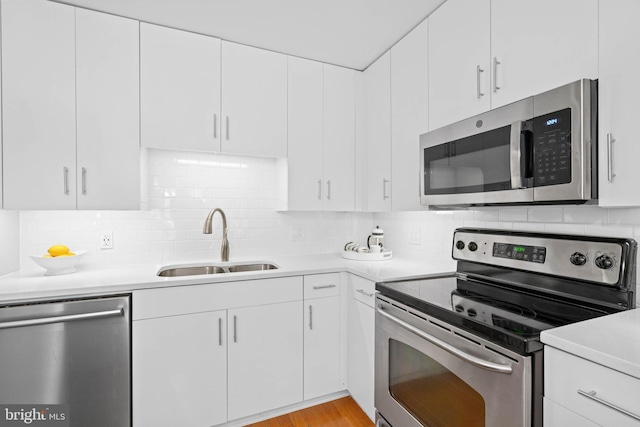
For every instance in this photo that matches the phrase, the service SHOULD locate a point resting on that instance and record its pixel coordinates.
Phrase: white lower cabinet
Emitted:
(180, 370)
(576, 389)
(322, 335)
(265, 358)
(360, 350)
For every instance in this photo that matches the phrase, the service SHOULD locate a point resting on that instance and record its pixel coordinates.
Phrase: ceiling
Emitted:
(350, 33)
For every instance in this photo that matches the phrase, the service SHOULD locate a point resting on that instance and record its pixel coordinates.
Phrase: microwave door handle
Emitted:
(515, 155)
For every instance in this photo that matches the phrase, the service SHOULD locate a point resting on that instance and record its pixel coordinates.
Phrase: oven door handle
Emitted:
(476, 361)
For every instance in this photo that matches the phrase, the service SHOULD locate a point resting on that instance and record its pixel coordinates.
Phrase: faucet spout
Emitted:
(208, 229)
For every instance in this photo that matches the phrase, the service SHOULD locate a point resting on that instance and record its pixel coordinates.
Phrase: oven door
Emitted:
(486, 159)
(429, 373)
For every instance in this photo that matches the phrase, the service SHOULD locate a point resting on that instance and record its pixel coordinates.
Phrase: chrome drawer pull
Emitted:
(592, 395)
(363, 292)
(476, 361)
(323, 286)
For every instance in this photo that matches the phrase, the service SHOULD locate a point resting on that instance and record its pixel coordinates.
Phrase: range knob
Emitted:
(578, 259)
(460, 245)
(604, 261)
(473, 246)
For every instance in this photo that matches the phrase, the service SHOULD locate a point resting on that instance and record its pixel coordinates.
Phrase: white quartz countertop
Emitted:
(87, 281)
(612, 341)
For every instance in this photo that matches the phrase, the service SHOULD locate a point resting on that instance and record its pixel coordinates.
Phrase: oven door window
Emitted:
(476, 164)
(432, 394)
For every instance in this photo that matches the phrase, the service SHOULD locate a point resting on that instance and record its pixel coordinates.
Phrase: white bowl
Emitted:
(59, 265)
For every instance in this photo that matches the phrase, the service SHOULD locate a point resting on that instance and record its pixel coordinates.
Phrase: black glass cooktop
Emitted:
(510, 317)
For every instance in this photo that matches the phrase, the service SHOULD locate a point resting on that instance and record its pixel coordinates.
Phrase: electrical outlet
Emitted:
(106, 240)
(414, 236)
(297, 233)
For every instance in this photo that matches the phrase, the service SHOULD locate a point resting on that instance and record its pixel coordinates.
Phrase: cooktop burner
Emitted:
(498, 295)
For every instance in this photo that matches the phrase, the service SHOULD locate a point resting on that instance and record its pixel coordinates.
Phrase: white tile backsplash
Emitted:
(182, 187)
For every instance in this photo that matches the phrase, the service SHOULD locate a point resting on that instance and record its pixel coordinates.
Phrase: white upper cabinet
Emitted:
(409, 115)
(339, 126)
(459, 61)
(108, 136)
(378, 130)
(39, 120)
(71, 125)
(539, 45)
(618, 103)
(305, 128)
(254, 101)
(179, 89)
(485, 54)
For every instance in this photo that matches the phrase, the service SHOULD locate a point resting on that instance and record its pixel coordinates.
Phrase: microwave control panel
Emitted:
(552, 148)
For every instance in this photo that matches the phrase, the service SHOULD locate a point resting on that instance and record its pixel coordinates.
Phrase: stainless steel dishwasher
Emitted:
(74, 353)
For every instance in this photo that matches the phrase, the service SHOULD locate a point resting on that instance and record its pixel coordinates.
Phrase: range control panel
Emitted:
(598, 260)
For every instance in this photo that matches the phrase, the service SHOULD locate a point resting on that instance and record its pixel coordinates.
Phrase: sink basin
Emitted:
(173, 271)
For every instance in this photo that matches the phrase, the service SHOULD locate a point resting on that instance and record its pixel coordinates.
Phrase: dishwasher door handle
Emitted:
(60, 319)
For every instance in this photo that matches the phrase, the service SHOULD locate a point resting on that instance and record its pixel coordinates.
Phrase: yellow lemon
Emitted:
(57, 250)
(67, 254)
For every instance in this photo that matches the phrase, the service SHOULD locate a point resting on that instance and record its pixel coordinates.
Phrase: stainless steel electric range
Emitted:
(465, 350)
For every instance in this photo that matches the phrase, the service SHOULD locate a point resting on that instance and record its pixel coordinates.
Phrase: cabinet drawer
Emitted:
(321, 285)
(565, 375)
(363, 290)
(159, 302)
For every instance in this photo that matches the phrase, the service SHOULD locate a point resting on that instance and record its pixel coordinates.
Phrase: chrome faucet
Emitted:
(224, 250)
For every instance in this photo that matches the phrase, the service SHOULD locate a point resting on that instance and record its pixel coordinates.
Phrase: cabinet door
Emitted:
(305, 134)
(378, 116)
(339, 138)
(360, 350)
(38, 83)
(321, 346)
(541, 45)
(179, 89)
(409, 115)
(180, 370)
(254, 101)
(107, 76)
(558, 416)
(459, 52)
(618, 89)
(265, 358)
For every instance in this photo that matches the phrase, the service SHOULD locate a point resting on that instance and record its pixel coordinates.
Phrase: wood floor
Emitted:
(343, 412)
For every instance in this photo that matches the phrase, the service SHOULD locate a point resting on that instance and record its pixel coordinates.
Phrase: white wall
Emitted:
(9, 242)
(181, 188)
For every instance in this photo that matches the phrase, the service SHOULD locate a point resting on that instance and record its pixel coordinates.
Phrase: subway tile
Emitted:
(585, 215)
(545, 214)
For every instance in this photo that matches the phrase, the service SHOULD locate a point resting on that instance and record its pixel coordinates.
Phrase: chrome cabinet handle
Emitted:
(363, 292)
(235, 328)
(215, 126)
(478, 72)
(610, 141)
(84, 181)
(311, 317)
(476, 361)
(592, 395)
(385, 181)
(323, 286)
(227, 128)
(319, 189)
(328, 189)
(220, 331)
(60, 319)
(65, 177)
(495, 74)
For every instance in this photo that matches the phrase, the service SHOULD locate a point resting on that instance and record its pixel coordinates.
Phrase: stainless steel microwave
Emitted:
(540, 150)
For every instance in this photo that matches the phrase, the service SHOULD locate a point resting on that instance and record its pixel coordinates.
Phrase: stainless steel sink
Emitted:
(173, 271)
